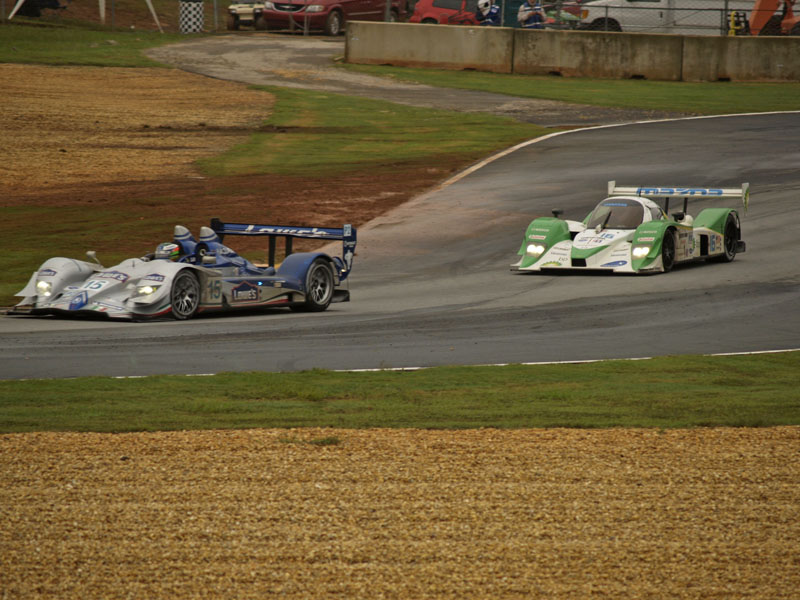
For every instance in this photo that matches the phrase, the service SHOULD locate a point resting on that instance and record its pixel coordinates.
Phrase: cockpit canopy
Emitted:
(624, 213)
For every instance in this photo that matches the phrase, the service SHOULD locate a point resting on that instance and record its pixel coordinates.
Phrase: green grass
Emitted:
(79, 46)
(314, 133)
(670, 392)
(698, 98)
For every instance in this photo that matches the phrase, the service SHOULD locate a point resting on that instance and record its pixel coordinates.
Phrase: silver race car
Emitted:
(187, 276)
(629, 232)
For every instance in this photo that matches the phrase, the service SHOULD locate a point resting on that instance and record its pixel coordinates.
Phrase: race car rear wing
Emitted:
(681, 192)
(347, 234)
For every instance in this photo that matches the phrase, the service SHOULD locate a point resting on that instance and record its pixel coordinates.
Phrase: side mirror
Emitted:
(209, 259)
(557, 212)
(92, 255)
(678, 216)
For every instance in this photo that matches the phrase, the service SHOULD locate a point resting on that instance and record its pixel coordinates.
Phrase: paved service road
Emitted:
(431, 283)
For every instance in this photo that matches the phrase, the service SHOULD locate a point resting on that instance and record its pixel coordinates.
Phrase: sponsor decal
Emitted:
(79, 301)
(663, 191)
(616, 263)
(537, 237)
(153, 277)
(646, 239)
(47, 273)
(616, 204)
(310, 232)
(244, 292)
(552, 263)
(117, 275)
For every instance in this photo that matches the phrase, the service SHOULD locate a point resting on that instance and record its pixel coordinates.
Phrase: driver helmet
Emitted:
(169, 251)
(484, 5)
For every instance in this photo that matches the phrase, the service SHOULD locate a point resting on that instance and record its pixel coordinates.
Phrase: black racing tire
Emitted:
(334, 23)
(319, 287)
(184, 297)
(730, 240)
(261, 24)
(429, 21)
(668, 251)
(605, 25)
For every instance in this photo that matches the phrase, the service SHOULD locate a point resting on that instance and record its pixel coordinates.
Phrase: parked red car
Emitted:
(445, 12)
(329, 16)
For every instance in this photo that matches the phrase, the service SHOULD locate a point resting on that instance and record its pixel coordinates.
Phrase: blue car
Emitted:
(189, 275)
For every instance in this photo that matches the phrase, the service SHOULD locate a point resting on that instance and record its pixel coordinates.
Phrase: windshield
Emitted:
(617, 214)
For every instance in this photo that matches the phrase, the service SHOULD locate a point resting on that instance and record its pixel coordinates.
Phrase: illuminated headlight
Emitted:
(146, 290)
(44, 288)
(269, 5)
(315, 8)
(233, 11)
(535, 249)
(641, 251)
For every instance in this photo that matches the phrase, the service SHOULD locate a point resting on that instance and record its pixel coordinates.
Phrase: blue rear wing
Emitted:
(346, 233)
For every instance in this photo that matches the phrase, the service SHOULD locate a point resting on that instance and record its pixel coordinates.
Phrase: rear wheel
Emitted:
(605, 25)
(730, 241)
(333, 24)
(185, 295)
(319, 287)
(668, 252)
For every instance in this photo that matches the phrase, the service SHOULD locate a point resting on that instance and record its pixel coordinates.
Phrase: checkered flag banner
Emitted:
(191, 17)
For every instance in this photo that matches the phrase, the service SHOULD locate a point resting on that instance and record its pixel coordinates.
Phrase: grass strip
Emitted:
(62, 45)
(317, 133)
(670, 392)
(674, 96)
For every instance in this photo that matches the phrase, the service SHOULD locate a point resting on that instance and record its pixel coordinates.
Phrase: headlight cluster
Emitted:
(641, 251)
(146, 290)
(269, 5)
(314, 8)
(535, 249)
(44, 288)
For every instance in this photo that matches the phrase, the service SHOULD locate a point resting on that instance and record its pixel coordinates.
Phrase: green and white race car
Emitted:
(629, 232)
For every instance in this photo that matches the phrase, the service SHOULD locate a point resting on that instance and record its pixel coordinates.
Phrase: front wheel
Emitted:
(668, 252)
(185, 295)
(730, 241)
(333, 24)
(319, 287)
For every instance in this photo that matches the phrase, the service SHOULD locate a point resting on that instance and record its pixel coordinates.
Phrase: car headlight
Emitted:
(641, 251)
(44, 288)
(535, 249)
(146, 290)
(314, 8)
(269, 6)
(233, 11)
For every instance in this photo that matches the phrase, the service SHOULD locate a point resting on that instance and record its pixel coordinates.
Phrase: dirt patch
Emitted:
(708, 513)
(131, 145)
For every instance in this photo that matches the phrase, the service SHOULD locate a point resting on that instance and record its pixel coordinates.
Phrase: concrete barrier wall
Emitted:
(575, 53)
(410, 45)
(741, 58)
(597, 54)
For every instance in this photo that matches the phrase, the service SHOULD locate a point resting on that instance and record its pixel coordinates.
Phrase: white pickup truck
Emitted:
(687, 17)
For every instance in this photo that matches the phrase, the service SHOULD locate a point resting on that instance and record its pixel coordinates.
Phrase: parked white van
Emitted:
(687, 17)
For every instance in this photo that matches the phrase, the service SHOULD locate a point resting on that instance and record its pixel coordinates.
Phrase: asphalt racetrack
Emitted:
(431, 283)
